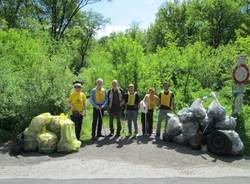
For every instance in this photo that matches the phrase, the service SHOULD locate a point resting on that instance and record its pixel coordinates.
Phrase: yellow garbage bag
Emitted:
(68, 141)
(47, 142)
(39, 122)
(30, 142)
(54, 126)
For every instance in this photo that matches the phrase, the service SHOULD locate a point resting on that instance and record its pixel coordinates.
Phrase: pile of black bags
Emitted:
(199, 128)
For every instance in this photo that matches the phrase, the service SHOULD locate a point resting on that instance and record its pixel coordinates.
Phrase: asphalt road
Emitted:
(227, 180)
(124, 160)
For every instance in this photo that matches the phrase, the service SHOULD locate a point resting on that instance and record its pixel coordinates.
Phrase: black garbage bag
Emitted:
(238, 146)
(197, 141)
(190, 130)
(179, 139)
(215, 110)
(174, 127)
(199, 112)
(185, 115)
(228, 124)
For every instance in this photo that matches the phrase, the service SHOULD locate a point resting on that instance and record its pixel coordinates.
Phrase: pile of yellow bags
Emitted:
(47, 134)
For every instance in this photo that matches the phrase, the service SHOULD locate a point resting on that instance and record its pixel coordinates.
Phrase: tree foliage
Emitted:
(46, 45)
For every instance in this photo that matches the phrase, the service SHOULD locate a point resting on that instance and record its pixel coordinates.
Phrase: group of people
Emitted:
(117, 102)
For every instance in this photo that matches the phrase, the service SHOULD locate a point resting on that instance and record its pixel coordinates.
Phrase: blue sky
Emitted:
(123, 12)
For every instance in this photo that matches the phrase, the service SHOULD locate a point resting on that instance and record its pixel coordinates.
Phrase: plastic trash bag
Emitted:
(204, 122)
(39, 122)
(68, 141)
(174, 127)
(47, 142)
(215, 110)
(54, 126)
(197, 141)
(198, 110)
(190, 130)
(185, 115)
(228, 124)
(29, 141)
(179, 139)
(143, 107)
(237, 144)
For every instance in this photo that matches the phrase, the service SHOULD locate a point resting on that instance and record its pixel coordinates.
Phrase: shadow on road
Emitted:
(11, 148)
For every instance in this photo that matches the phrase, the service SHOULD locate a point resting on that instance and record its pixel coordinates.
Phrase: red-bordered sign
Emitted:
(240, 73)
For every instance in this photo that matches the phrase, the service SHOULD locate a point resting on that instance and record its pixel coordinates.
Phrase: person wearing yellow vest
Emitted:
(167, 105)
(151, 101)
(132, 101)
(78, 103)
(99, 100)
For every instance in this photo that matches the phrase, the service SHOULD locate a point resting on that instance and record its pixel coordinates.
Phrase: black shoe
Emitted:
(93, 138)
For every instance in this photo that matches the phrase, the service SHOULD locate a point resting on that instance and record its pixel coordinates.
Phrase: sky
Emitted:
(122, 13)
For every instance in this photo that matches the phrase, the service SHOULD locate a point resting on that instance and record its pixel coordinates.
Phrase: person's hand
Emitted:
(83, 113)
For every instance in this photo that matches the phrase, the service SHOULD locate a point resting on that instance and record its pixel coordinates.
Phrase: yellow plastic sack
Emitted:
(68, 141)
(30, 142)
(47, 142)
(39, 122)
(54, 126)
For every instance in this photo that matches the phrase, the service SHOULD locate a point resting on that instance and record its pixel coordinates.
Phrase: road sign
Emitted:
(241, 71)
(240, 76)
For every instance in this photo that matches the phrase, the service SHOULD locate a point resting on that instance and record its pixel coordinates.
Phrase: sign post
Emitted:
(240, 76)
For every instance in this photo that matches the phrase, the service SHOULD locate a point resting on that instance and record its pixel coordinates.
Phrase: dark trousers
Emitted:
(116, 116)
(97, 117)
(78, 124)
(147, 122)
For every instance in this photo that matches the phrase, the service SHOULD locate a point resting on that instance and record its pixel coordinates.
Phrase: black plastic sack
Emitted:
(199, 112)
(185, 115)
(190, 130)
(174, 127)
(228, 124)
(215, 110)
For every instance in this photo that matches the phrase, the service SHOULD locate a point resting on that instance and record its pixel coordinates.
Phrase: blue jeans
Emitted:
(132, 116)
(162, 116)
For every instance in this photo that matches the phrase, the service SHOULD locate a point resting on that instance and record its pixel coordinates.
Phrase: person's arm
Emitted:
(105, 100)
(92, 99)
(137, 101)
(145, 99)
(157, 100)
(84, 112)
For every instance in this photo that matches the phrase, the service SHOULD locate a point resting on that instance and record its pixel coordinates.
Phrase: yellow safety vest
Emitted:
(100, 95)
(131, 99)
(151, 103)
(166, 99)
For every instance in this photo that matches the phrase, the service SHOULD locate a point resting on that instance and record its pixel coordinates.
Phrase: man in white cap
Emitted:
(77, 102)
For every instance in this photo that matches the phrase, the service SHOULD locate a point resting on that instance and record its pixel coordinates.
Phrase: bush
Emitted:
(33, 79)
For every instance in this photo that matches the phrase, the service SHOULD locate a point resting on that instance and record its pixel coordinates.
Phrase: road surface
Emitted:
(124, 160)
